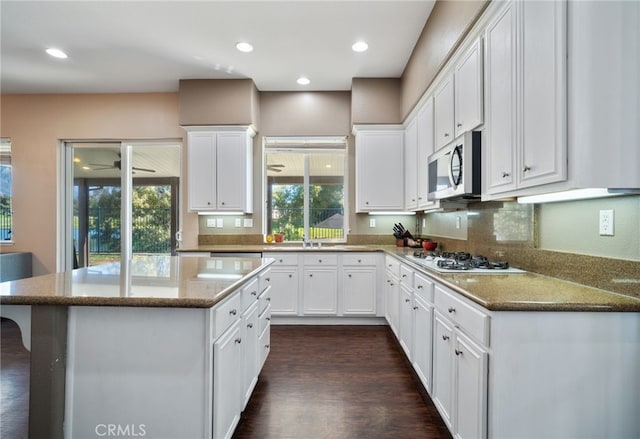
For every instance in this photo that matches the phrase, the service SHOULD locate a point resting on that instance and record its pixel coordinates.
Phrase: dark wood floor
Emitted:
(338, 382)
(14, 383)
(319, 382)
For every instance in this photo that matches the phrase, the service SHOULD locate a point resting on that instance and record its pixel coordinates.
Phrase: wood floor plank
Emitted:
(338, 382)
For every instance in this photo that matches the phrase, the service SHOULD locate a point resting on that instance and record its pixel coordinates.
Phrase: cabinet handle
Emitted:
(268, 279)
(281, 261)
(233, 312)
(446, 134)
(267, 346)
(407, 300)
(526, 168)
(452, 310)
(415, 308)
(319, 261)
(359, 261)
(291, 275)
(505, 174)
(349, 275)
(208, 203)
(458, 352)
(392, 284)
(222, 203)
(459, 125)
(445, 337)
(311, 275)
(419, 287)
(254, 293)
(250, 325)
(366, 202)
(268, 299)
(268, 319)
(238, 340)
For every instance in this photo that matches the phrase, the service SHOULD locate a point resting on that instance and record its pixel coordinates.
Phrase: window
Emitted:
(305, 188)
(6, 190)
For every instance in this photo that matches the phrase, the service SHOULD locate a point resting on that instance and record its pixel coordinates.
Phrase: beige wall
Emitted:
(36, 123)
(218, 102)
(448, 23)
(375, 100)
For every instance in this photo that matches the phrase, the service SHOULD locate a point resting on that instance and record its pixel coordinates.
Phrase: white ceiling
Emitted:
(147, 46)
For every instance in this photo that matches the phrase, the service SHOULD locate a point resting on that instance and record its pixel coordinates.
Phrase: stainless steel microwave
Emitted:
(455, 169)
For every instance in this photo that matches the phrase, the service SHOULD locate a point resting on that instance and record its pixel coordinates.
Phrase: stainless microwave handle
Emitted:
(450, 168)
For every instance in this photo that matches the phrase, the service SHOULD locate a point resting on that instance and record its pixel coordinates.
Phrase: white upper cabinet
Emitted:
(379, 168)
(468, 90)
(424, 122)
(410, 165)
(443, 112)
(525, 96)
(220, 163)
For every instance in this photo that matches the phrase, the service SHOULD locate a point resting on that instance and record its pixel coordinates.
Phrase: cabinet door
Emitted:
(284, 291)
(226, 382)
(406, 321)
(468, 90)
(411, 165)
(543, 91)
(201, 159)
(250, 330)
(443, 113)
(443, 367)
(500, 99)
(422, 340)
(392, 301)
(471, 389)
(379, 171)
(320, 291)
(359, 291)
(231, 171)
(424, 123)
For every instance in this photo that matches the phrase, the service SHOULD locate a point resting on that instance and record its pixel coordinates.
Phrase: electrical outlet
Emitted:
(248, 222)
(458, 222)
(219, 223)
(372, 222)
(238, 222)
(606, 223)
(211, 222)
(424, 223)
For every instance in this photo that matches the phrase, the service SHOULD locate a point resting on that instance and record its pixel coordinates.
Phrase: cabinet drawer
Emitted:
(392, 264)
(423, 287)
(321, 259)
(359, 259)
(474, 322)
(249, 294)
(264, 298)
(283, 258)
(264, 280)
(224, 314)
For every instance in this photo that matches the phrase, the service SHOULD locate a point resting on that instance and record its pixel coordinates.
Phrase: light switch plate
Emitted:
(219, 223)
(238, 222)
(211, 222)
(372, 222)
(248, 222)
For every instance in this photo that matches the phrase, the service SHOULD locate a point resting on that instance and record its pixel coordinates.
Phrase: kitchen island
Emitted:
(161, 346)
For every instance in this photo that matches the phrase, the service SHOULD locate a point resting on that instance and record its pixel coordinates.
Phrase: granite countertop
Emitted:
(280, 247)
(150, 281)
(525, 291)
(507, 292)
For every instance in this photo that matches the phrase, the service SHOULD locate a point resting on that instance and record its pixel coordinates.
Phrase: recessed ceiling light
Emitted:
(303, 81)
(244, 46)
(327, 166)
(57, 53)
(359, 46)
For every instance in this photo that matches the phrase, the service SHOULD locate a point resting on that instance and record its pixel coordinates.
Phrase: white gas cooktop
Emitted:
(432, 263)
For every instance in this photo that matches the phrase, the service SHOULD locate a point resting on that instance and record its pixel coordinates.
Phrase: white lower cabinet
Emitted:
(227, 391)
(406, 320)
(423, 330)
(460, 365)
(320, 291)
(249, 329)
(285, 284)
(359, 284)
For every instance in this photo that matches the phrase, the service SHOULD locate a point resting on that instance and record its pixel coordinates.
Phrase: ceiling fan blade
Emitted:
(275, 166)
(143, 169)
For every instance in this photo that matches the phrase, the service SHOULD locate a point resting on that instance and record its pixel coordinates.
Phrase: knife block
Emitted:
(401, 242)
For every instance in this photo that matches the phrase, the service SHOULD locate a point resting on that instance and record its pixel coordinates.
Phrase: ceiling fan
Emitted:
(117, 164)
(275, 168)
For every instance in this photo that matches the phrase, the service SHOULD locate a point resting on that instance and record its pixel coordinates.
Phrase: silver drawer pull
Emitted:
(268, 299)
(451, 310)
(268, 318)
(419, 287)
(445, 337)
(505, 174)
(250, 325)
(233, 312)
(254, 293)
(238, 340)
(415, 308)
(458, 352)
(267, 346)
(268, 279)
(407, 300)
